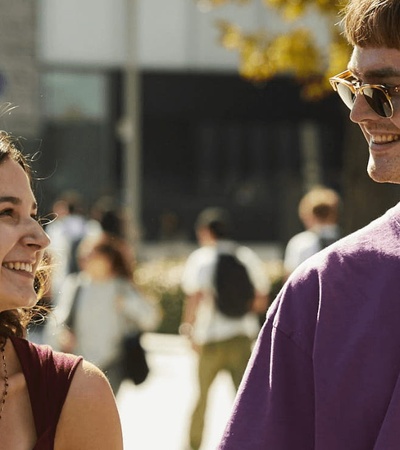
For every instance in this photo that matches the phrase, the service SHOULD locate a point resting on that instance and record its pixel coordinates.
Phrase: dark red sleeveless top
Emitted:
(48, 376)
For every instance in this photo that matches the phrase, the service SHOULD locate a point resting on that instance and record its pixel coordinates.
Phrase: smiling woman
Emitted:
(14, 322)
(47, 399)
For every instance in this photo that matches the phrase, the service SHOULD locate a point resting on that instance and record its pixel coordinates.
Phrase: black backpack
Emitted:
(234, 289)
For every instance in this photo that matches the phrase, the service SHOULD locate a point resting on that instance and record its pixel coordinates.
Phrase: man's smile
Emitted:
(384, 138)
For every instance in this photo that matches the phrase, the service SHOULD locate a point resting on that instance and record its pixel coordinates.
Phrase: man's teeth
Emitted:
(19, 266)
(385, 138)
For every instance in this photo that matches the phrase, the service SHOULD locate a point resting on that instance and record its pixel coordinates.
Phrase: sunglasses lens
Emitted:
(345, 94)
(378, 101)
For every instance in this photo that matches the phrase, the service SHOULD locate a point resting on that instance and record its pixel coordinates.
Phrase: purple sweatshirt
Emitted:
(325, 370)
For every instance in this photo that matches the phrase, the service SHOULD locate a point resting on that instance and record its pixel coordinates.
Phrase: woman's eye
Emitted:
(7, 212)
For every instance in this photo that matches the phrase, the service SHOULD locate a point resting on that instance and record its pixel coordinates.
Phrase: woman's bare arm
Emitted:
(89, 419)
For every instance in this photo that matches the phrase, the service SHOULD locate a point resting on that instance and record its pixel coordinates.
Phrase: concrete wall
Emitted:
(19, 76)
(163, 34)
(90, 32)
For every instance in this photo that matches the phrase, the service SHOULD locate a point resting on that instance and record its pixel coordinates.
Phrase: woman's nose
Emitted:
(36, 236)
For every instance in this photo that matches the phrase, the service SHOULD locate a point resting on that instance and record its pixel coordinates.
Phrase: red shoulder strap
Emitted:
(48, 376)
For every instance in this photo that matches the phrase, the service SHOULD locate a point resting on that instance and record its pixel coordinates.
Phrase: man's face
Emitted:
(379, 65)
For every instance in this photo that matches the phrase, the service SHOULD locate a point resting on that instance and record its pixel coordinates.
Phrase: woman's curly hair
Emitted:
(14, 322)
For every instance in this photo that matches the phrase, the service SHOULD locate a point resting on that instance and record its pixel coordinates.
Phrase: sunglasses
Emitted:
(378, 96)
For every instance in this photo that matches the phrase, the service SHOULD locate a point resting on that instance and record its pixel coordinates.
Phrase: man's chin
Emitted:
(377, 179)
(379, 175)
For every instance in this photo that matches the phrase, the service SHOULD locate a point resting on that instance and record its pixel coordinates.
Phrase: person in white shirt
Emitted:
(319, 212)
(222, 342)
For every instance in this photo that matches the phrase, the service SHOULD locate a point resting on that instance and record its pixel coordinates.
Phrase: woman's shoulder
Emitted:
(71, 396)
(89, 384)
(85, 379)
(90, 418)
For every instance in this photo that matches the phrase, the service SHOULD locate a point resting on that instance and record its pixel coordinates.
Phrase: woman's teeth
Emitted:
(19, 266)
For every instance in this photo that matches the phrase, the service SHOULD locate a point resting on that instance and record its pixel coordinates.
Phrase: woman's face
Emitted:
(98, 266)
(22, 239)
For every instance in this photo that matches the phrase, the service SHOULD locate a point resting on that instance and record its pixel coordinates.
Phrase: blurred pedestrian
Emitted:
(99, 305)
(110, 217)
(66, 231)
(319, 213)
(223, 342)
(112, 223)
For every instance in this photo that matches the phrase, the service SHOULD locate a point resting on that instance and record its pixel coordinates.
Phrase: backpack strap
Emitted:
(325, 241)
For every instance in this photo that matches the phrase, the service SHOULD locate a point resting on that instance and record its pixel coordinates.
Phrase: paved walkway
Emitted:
(155, 415)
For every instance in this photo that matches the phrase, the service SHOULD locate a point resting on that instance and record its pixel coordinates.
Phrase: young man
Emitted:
(319, 212)
(222, 341)
(325, 372)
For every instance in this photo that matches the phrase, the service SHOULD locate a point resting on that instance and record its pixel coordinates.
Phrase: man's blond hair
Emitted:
(372, 23)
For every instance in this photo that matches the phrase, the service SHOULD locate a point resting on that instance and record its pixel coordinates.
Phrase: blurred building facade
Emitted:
(136, 98)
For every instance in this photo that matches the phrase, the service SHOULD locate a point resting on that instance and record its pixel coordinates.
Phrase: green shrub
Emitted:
(160, 281)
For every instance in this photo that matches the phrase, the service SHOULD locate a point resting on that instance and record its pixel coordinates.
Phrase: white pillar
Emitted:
(130, 127)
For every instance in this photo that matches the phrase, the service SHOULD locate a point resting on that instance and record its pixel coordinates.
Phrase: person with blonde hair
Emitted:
(325, 371)
(47, 399)
(319, 212)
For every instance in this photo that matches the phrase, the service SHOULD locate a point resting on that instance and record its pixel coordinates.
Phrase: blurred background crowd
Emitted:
(142, 113)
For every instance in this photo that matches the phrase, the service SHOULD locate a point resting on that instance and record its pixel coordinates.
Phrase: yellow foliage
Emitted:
(339, 55)
(297, 53)
(262, 56)
(231, 36)
(316, 89)
(255, 65)
(217, 3)
(293, 9)
(275, 3)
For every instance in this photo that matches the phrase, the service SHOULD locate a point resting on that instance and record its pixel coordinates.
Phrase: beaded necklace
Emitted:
(5, 376)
